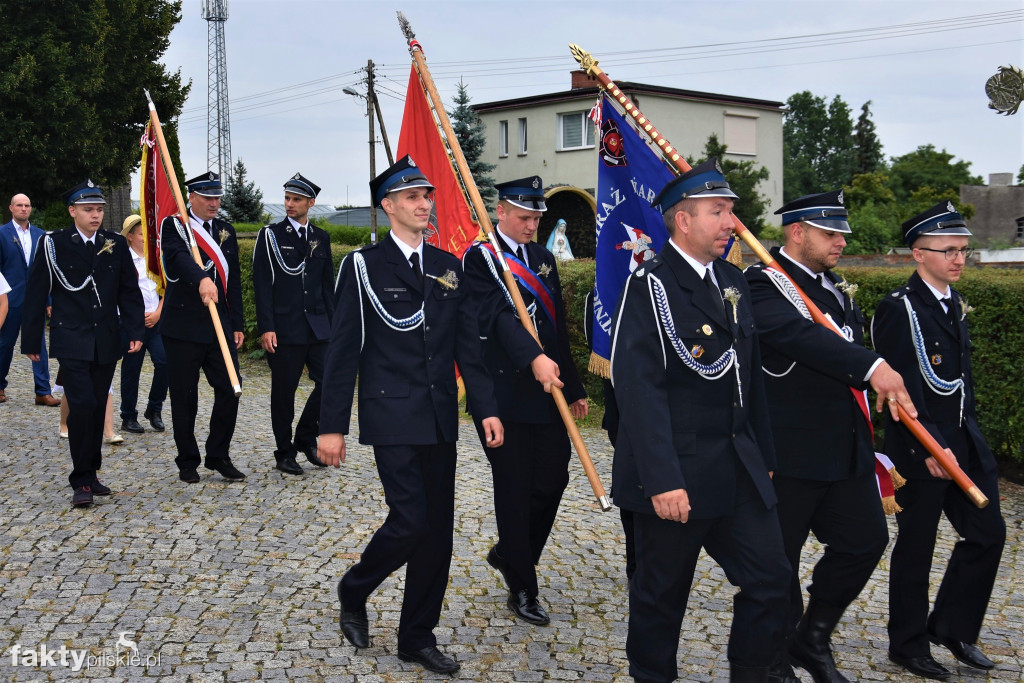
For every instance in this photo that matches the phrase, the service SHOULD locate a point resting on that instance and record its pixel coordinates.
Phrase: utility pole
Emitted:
(373, 109)
(218, 124)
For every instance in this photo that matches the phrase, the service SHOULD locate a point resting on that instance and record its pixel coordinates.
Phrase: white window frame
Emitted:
(736, 117)
(587, 131)
(502, 139)
(522, 136)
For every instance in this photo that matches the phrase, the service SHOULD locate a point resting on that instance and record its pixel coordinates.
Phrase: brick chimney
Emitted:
(580, 79)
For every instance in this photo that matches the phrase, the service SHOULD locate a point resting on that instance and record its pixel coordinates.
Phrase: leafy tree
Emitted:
(71, 88)
(873, 218)
(926, 167)
(868, 148)
(743, 177)
(242, 202)
(469, 130)
(818, 145)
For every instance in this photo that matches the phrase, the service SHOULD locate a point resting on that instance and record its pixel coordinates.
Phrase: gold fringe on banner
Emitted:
(735, 256)
(897, 479)
(889, 505)
(602, 367)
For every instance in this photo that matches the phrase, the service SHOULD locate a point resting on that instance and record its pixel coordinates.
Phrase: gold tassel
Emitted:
(735, 256)
(462, 389)
(898, 481)
(889, 505)
(602, 367)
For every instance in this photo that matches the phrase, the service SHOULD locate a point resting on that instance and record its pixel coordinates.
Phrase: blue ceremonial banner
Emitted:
(629, 231)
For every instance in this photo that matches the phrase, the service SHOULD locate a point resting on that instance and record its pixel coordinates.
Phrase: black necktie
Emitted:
(415, 261)
(208, 227)
(90, 246)
(519, 253)
(950, 313)
(716, 293)
(302, 233)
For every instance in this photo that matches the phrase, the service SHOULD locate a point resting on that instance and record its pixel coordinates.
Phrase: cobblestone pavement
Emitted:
(232, 582)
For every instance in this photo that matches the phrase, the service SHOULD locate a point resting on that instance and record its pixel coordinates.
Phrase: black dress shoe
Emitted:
(782, 673)
(226, 469)
(964, 652)
(498, 562)
(132, 426)
(98, 489)
(310, 452)
(922, 666)
(355, 625)
(431, 658)
(527, 608)
(189, 476)
(155, 421)
(289, 466)
(82, 497)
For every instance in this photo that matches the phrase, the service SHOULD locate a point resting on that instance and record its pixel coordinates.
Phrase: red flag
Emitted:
(421, 139)
(156, 202)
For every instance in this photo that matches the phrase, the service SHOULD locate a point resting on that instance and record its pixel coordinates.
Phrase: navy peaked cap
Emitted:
(206, 185)
(86, 192)
(941, 219)
(703, 180)
(526, 193)
(824, 210)
(404, 174)
(299, 185)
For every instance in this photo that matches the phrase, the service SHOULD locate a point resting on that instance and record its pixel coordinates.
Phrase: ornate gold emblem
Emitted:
(706, 329)
(1005, 90)
(936, 359)
(697, 351)
(587, 62)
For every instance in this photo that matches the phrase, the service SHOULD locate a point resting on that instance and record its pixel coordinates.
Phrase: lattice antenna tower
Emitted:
(218, 123)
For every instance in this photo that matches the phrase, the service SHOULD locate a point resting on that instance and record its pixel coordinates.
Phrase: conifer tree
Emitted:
(469, 130)
(242, 202)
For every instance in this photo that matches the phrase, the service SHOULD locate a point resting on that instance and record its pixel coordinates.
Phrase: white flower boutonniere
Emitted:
(848, 288)
(544, 270)
(313, 244)
(449, 280)
(107, 248)
(965, 308)
(732, 295)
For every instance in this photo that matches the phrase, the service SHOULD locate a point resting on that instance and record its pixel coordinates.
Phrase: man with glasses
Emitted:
(921, 328)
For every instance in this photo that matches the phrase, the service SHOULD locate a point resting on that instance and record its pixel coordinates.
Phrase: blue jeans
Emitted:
(131, 368)
(8, 336)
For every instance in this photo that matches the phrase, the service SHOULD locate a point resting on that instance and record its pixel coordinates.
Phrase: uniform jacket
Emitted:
(508, 348)
(948, 353)
(184, 315)
(407, 389)
(12, 260)
(285, 303)
(820, 431)
(678, 430)
(82, 326)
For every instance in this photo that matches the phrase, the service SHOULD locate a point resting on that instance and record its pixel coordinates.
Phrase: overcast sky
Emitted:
(923, 64)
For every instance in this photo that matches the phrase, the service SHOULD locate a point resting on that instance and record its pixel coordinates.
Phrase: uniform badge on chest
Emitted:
(706, 329)
(936, 359)
(697, 351)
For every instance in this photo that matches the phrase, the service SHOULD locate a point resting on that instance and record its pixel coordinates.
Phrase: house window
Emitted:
(575, 131)
(502, 138)
(1020, 228)
(741, 133)
(522, 137)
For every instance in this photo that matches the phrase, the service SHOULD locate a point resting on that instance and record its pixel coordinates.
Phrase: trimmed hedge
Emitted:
(340, 234)
(997, 330)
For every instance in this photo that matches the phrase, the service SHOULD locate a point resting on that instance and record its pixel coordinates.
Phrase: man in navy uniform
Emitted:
(402, 321)
(815, 379)
(293, 283)
(88, 274)
(921, 328)
(188, 332)
(694, 451)
(18, 240)
(531, 469)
